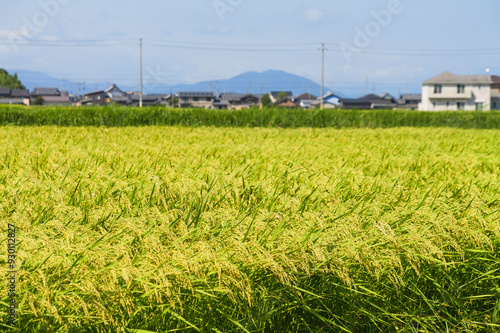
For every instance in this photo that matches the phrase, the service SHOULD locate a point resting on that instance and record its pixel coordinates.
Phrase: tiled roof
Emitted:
(46, 92)
(276, 93)
(411, 97)
(94, 93)
(56, 99)
(4, 91)
(450, 78)
(20, 93)
(232, 97)
(495, 79)
(196, 94)
(305, 96)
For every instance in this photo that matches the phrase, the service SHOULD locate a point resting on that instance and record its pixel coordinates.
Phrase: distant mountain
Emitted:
(254, 82)
(250, 82)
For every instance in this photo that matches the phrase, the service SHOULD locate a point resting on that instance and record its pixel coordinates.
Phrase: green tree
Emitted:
(10, 81)
(38, 100)
(266, 100)
(282, 95)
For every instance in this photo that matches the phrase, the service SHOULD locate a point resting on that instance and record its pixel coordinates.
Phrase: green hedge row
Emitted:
(114, 116)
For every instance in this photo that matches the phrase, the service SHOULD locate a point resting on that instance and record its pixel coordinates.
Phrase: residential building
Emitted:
(116, 95)
(495, 100)
(95, 98)
(306, 96)
(385, 101)
(4, 92)
(308, 103)
(330, 101)
(149, 100)
(286, 102)
(409, 101)
(355, 103)
(448, 91)
(496, 83)
(237, 101)
(57, 100)
(20, 93)
(14, 96)
(276, 95)
(196, 99)
(43, 92)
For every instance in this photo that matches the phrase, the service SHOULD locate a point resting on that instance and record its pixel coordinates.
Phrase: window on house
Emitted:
(208, 99)
(195, 99)
(460, 88)
(494, 105)
(460, 106)
(434, 104)
(438, 89)
(447, 105)
(479, 106)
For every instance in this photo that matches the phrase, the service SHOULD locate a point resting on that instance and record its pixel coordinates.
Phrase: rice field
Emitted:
(272, 117)
(210, 229)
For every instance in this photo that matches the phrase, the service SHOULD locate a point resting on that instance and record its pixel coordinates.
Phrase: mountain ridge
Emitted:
(247, 82)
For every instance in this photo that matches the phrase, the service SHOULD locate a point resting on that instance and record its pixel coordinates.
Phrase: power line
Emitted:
(258, 47)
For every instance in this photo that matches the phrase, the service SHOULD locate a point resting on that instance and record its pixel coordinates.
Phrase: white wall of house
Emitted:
(473, 97)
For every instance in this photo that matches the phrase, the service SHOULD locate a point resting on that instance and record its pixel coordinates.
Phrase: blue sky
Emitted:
(373, 45)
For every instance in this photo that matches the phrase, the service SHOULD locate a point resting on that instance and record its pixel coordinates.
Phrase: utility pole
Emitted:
(322, 74)
(140, 92)
(171, 97)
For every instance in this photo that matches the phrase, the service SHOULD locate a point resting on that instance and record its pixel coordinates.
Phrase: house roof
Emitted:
(20, 93)
(56, 99)
(411, 97)
(196, 94)
(356, 101)
(120, 98)
(231, 97)
(46, 92)
(4, 91)
(305, 96)
(330, 94)
(450, 78)
(387, 96)
(372, 97)
(383, 102)
(276, 93)
(114, 88)
(288, 99)
(146, 98)
(98, 92)
(495, 79)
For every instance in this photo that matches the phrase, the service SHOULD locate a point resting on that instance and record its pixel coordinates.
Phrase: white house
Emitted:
(448, 91)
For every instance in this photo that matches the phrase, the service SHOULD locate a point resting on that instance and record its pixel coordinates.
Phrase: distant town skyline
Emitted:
(381, 46)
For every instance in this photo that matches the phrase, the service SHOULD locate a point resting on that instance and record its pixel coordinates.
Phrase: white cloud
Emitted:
(7, 33)
(314, 15)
